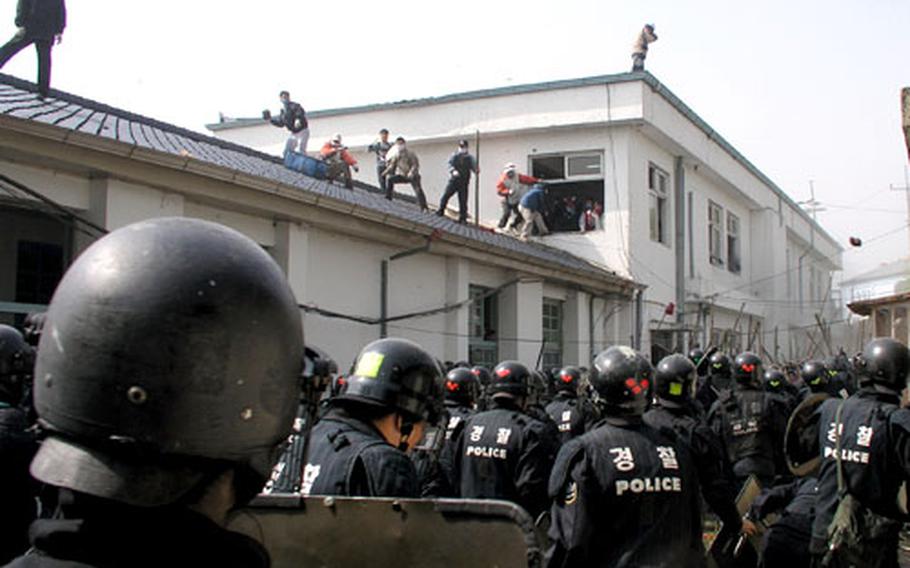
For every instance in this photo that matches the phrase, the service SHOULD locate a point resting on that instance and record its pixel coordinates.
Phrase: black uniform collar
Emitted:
(505, 403)
(878, 394)
(342, 415)
(566, 395)
(105, 533)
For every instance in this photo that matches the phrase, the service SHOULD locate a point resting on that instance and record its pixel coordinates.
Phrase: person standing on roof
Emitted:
(510, 187)
(461, 164)
(292, 117)
(381, 147)
(339, 160)
(640, 48)
(402, 166)
(531, 208)
(40, 22)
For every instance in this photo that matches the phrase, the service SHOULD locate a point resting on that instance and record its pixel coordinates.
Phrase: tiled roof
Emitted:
(19, 99)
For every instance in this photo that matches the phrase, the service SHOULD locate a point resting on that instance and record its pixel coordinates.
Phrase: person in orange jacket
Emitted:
(510, 187)
(339, 160)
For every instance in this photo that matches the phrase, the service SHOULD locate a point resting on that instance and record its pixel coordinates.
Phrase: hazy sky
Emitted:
(806, 90)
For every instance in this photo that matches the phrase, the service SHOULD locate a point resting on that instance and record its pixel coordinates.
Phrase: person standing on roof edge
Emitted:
(461, 164)
(402, 166)
(40, 22)
(292, 117)
(510, 187)
(381, 147)
(640, 48)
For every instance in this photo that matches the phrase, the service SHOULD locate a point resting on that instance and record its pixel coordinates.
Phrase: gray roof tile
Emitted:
(18, 99)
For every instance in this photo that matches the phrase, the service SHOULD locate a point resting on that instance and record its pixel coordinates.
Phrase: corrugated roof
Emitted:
(18, 99)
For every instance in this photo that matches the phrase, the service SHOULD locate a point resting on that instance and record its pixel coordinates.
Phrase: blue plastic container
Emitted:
(306, 165)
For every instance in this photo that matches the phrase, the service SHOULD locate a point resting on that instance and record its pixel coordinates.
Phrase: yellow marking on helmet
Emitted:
(676, 389)
(369, 365)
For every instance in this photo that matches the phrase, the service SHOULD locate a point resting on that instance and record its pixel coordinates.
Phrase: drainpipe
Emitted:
(679, 207)
(637, 314)
(384, 279)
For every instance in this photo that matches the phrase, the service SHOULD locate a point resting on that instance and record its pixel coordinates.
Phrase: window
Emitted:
(715, 233)
(575, 191)
(552, 333)
(733, 247)
(658, 182)
(567, 166)
(39, 267)
(482, 325)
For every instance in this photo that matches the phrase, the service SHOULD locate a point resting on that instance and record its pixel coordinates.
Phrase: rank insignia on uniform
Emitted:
(571, 493)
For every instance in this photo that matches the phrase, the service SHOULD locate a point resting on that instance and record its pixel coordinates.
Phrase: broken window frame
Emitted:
(658, 200)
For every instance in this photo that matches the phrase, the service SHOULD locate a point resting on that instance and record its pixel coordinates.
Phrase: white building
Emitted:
(71, 168)
(684, 212)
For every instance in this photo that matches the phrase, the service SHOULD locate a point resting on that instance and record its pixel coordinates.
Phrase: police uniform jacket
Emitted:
(707, 453)
(625, 494)
(752, 424)
(875, 456)
(17, 489)
(349, 456)
(505, 454)
(570, 414)
(111, 534)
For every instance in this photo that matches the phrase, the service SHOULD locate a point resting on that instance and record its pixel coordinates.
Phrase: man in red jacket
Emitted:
(40, 22)
(510, 187)
(339, 160)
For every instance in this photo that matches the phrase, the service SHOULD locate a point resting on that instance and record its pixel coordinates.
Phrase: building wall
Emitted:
(329, 269)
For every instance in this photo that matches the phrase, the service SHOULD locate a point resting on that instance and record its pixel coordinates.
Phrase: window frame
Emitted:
(566, 156)
(734, 257)
(658, 205)
(487, 310)
(552, 337)
(715, 228)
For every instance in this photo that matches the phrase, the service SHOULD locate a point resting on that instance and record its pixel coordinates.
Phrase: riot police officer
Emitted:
(751, 422)
(867, 438)
(625, 493)
(503, 452)
(359, 447)
(460, 390)
(674, 408)
(483, 378)
(17, 445)
(776, 383)
(569, 411)
(840, 374)
(815, 377)
(716, 382)
(166, 388)
(786, 542)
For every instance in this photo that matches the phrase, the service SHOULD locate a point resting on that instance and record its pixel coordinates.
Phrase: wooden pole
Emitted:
(477, 179)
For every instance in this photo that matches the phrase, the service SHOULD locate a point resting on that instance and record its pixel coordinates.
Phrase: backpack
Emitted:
(856, 535)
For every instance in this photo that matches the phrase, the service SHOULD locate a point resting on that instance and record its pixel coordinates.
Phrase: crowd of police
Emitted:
(160, 390)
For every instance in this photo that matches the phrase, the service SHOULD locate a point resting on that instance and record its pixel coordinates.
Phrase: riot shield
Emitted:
(723, 538)
(345, 531)
(801, 447)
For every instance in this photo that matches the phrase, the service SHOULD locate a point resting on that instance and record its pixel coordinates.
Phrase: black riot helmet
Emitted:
(621, 378)
(885, 362)
(397, 374)
(15, 364)
(172, 348)
(461, 386)
(815, 375)
(775, 381)
(747, 369)
(483, 375)
(719, 365)
(696, 354)
(568, 380)
(509, 378)
(675, 378)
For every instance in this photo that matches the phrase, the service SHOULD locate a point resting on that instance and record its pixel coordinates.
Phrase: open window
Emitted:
(575, 194)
